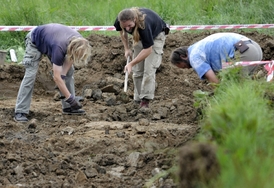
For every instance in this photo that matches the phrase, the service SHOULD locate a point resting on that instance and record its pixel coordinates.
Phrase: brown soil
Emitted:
(116, 144)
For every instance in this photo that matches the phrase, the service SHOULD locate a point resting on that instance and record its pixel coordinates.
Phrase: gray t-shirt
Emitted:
(52, 40)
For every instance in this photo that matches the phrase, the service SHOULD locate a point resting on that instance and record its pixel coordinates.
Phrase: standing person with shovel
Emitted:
(148, 31)
(63, 46)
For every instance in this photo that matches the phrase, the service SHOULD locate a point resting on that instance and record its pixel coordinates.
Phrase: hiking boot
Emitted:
(69, 111)
(20, 117)
(144, 103)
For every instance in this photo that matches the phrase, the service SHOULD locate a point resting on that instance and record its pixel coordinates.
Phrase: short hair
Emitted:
(79, 50)
(177, 54)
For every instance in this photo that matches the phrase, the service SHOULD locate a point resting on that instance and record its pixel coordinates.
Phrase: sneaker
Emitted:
(69, 111)
(20, 117)
(144, 103)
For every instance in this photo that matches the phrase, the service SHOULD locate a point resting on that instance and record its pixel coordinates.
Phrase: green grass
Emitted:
(239, 119)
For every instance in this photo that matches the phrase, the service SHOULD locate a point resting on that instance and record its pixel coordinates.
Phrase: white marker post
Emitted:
(126, 77)
(13, 56)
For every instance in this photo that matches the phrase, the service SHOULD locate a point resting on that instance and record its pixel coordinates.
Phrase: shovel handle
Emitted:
(126, 77)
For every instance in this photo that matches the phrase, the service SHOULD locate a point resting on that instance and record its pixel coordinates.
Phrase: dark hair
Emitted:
(177, 54)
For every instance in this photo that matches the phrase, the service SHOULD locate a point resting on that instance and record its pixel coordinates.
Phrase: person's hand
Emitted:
(74, 104)
(128, 53)
(128, 68)
(63, 77)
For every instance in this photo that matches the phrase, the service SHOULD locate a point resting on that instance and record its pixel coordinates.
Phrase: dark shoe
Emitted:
(78, 98)
(144, 103)
(69, 111)
(20, 117)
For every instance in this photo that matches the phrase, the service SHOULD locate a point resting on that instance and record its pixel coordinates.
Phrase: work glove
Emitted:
(74, 104)
(63, 77)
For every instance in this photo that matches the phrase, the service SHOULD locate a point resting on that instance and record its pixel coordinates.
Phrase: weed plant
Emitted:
(239, 120)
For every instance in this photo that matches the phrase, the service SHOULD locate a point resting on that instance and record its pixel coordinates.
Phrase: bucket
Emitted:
(2, 56)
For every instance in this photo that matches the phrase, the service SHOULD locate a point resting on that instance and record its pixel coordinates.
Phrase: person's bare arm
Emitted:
(140, 57)
(124, 38)
(211, 76)
(57, 71)
(66, 66)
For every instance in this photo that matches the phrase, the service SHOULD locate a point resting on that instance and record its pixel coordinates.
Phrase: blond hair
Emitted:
(79, 50)
(131, 14)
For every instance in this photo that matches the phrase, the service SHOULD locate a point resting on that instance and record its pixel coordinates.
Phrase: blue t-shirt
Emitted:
(210, 52)
(153, 26)
(52, 40)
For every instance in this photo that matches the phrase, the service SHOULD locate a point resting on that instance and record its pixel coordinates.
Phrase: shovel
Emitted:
(126, 77)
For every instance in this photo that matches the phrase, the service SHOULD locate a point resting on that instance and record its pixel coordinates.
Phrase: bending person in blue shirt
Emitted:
(207, 55)
(63, 46)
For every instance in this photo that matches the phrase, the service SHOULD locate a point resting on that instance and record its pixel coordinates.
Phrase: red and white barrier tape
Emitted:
(207, 27)
(268, 65)
(172, 27)
(270, 69)
(244, 63)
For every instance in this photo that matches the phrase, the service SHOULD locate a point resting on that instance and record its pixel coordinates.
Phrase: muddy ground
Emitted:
(116, 144)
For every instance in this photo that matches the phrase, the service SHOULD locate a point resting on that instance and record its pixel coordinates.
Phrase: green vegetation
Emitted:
(238, 118)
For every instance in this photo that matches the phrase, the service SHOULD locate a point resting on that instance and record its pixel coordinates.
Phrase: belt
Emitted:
(166, 29)
(242, 45)
(247, 41)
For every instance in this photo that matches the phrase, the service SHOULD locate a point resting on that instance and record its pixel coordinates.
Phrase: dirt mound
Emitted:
(115, 144)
